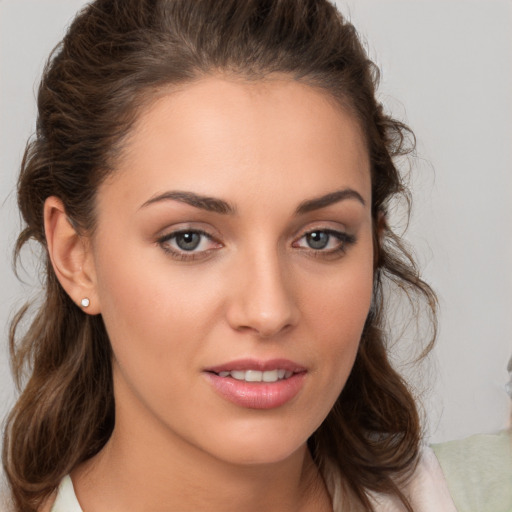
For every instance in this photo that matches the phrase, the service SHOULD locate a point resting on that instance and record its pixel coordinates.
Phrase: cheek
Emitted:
(157, 318)
(336, 315)
(140, 292)
(340, 303)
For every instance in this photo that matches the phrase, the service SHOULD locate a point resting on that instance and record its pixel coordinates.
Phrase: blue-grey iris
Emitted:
(317, 239)
(188, 241)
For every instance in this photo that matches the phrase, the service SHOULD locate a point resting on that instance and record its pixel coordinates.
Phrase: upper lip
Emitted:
(257, 364)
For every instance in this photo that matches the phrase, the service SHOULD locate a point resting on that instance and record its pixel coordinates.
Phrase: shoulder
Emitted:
(64, 500)
(426, 489)
(478, 470)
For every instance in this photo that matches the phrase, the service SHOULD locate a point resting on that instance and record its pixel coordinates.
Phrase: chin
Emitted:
(260, 455)
(259, 444)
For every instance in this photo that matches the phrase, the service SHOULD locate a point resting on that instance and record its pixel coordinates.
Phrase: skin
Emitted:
(255, 289)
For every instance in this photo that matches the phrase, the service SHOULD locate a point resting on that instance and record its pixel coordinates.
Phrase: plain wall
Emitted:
(446, 70)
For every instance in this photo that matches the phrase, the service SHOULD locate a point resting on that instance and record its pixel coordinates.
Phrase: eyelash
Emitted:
(345, 240)
(182, 255)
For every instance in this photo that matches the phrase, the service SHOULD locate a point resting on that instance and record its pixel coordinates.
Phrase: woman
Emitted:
(209, 181)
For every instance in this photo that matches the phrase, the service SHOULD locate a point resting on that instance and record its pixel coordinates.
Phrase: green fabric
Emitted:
(478, 471)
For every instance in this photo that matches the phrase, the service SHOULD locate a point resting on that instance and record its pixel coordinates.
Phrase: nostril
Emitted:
(261, 301)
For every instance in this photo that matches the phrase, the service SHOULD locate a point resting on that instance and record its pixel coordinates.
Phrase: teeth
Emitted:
(270, 376)
(258, 376)
(253, 376)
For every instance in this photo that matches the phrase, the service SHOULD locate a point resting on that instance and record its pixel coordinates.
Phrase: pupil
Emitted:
(317, 240)
(188, 241)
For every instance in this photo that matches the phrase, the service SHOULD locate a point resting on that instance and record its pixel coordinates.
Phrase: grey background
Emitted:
(446, 70)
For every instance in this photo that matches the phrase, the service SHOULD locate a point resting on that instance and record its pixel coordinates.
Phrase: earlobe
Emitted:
(71, 256)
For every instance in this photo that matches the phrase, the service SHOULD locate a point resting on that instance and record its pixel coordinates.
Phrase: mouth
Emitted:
(252, 370)
(257, 375)
(257, 384)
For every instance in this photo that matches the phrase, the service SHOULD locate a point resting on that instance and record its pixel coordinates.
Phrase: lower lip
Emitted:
(257, 395)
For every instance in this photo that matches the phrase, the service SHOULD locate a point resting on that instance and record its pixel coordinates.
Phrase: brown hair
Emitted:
(116, 56)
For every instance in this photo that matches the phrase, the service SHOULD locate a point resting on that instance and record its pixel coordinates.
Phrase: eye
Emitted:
(188, 244)
(325, 241)
(318, 239)
(188, 241)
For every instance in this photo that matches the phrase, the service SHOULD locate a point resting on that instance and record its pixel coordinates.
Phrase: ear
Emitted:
(382, 225)
(71, 256)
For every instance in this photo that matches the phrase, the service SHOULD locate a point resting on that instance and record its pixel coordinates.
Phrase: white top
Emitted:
(427, 491)
(66, 498)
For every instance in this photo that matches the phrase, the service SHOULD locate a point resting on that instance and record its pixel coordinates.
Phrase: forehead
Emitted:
(219, 135)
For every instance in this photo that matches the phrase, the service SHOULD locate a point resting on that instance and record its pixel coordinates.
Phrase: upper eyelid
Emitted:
(173, 234)
(342, 236)
(168, 233)
(333, 231)
(320, 224)
(177, 253)
(324, 230)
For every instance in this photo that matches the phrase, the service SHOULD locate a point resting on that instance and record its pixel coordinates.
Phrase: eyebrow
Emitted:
(212, 204)
(329, 199)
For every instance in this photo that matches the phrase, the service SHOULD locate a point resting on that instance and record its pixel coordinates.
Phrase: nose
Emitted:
(262, 299)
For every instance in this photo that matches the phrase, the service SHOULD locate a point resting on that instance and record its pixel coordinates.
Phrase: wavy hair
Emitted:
(116, 57)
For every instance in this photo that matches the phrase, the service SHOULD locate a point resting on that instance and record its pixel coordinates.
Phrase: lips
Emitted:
(257, 384)
(256, 364)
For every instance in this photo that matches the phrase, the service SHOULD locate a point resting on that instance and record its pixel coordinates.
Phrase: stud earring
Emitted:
(85, 302)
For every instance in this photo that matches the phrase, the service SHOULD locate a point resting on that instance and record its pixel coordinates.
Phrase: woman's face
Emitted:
(233, 264)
